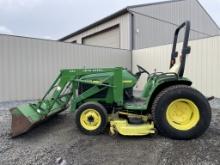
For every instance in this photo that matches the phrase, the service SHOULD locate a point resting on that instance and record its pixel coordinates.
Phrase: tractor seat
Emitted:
(176, 67)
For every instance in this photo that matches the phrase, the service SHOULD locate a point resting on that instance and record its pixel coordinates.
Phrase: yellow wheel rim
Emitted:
(90, 119)
(182, 114)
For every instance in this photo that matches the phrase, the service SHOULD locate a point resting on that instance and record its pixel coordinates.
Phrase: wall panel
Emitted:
(202, 65)
(28, 66)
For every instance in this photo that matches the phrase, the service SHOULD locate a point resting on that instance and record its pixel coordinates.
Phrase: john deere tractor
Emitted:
(103, 97)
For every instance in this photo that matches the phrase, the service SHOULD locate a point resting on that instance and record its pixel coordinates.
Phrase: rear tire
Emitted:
(181, 112)
(91, 118)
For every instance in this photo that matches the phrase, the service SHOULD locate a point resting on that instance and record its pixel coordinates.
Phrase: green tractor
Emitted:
(103, 97)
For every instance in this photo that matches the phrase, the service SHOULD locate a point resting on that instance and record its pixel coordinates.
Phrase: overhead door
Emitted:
(107, 38)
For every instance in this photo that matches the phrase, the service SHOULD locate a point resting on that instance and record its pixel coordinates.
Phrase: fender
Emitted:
(157, 83)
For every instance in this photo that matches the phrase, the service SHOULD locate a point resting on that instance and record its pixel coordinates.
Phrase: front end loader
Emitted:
(100, 96)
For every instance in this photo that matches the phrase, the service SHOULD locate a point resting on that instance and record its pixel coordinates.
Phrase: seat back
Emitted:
(176, 67)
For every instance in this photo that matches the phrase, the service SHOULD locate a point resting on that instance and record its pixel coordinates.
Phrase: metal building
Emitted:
(146, 25)
(135, 35)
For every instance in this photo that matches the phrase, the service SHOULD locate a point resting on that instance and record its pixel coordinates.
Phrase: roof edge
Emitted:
(126, 10)
(154, 3)
(118, 13)
(207, 13)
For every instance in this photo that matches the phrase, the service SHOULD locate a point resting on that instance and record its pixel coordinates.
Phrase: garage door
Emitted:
(106, 38)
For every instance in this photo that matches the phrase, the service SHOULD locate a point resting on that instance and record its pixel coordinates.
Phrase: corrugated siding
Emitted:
(201, 66)
(124, 24)
(28, 66)
(149, 32)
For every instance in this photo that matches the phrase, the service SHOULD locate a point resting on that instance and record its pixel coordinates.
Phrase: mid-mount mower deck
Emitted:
(105, 95)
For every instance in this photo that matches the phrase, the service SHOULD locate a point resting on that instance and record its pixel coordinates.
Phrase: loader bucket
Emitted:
(25, 117)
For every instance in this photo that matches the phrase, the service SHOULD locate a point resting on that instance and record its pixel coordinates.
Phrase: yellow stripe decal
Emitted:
(127, 81)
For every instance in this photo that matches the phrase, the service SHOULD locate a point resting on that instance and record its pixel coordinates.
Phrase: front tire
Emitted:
(91, 118)
(181, 112)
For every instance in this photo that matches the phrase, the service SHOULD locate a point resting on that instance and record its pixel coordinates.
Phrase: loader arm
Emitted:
(63, 90)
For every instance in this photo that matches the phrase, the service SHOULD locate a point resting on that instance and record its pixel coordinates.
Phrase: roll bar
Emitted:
(185, 48)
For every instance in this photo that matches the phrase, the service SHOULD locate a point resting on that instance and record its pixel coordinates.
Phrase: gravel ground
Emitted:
(58, 141)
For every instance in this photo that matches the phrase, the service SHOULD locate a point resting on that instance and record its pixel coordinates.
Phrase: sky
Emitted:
(53, 19)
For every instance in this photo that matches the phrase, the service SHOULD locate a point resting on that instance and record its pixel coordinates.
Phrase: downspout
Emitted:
(131, 37)
(131, 31)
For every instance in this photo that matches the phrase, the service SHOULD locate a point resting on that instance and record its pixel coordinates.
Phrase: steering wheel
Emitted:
(141, 70)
